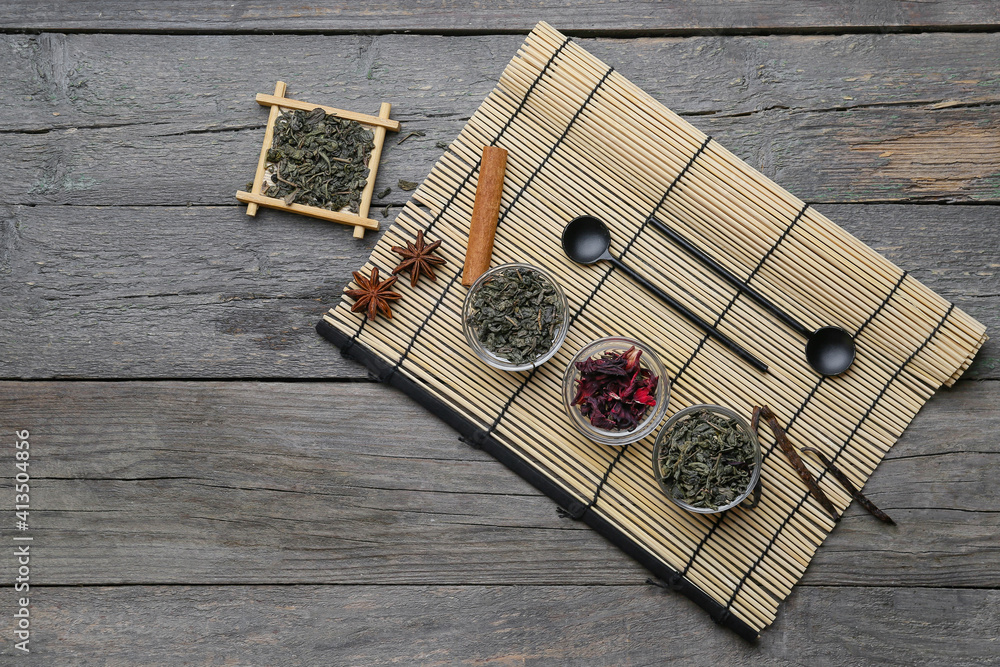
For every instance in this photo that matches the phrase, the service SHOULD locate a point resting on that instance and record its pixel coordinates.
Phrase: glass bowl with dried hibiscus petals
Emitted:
(515, 317)
(616, 390)
(707, 459)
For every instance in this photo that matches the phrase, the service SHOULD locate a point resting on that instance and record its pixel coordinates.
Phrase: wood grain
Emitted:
(338, 522)
(863, 156)
(201, 82)
(629, 18)
(199, 292)
(94, 118)
(352, 483)
(497, 625)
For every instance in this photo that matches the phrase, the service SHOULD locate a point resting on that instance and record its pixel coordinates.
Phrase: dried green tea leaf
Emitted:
(411, 134)
(443, 145)
(407, 185)
(383, 194)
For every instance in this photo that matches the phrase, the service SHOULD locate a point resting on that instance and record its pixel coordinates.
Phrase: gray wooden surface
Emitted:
(213, 484)
(629, 18)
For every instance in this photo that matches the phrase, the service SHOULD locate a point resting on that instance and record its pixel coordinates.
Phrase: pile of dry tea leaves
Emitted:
(707, 460)
(318, 159)
(515, 315)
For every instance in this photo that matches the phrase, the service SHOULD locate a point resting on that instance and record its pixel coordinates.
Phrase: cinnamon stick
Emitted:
(485, 212)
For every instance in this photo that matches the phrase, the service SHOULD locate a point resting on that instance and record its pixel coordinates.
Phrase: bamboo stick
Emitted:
(279, 100)
(258, 180)
(311, 211)
(373, 160)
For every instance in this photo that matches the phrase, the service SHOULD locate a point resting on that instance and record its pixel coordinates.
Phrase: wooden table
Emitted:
(211, 483)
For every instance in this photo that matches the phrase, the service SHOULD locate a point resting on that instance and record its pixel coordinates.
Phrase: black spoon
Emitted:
(829, 350)
(587, 240)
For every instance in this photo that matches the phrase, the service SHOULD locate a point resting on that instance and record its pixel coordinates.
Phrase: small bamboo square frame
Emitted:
(380, 124)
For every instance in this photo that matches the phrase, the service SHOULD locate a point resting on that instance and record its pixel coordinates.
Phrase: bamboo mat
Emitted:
(583, 139)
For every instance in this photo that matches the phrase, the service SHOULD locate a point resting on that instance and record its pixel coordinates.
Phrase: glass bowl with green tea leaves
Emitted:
(515, 317)
(707, 459)
(616, 390)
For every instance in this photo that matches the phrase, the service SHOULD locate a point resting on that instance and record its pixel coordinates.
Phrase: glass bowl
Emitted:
(654, 414)
(684, 414)
(495, 360)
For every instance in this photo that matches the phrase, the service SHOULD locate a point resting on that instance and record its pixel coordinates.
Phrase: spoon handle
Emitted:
(732, 279)
(683, 310)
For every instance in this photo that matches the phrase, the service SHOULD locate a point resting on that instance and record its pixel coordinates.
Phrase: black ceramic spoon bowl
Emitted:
(587, 240)
(830, 350)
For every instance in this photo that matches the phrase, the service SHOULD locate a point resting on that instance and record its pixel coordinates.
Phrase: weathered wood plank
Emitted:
(126, 119)
(175, 292)
(502, 625)
(861, 156)
(194, 482)
(632, 17)
(203, 83)
(171, 292)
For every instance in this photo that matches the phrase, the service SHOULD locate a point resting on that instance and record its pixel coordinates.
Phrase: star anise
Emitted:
(373, 296)
(418, 259)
